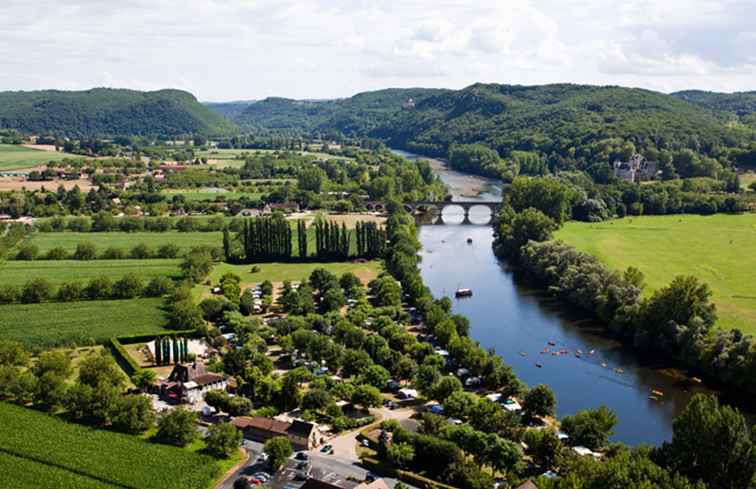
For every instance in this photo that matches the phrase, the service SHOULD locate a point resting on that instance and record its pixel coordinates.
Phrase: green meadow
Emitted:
(717, 249)
(62, 323)
(57, 271)
(69, 240)
(16, 157)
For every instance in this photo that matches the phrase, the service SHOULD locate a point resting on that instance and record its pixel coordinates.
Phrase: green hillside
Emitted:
(355, 115)
(551, 119)
(741, 105)
(107, 111)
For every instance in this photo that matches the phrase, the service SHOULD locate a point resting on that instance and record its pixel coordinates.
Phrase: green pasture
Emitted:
(717, 249)
(68, 240)
(16, 157)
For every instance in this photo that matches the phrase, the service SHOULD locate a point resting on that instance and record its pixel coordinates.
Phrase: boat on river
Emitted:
(463, 293)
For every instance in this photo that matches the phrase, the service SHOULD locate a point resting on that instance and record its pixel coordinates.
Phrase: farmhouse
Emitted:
(189, 383)
(301, 434)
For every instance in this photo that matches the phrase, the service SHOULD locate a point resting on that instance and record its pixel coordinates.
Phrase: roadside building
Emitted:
(301, 434)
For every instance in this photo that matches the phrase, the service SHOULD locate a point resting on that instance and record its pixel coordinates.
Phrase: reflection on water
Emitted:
(526, 327)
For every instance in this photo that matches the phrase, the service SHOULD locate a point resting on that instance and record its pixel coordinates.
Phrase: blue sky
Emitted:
(234, 49)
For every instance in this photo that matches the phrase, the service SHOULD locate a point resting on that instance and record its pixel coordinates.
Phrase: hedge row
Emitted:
(122, 357)
(412, 478)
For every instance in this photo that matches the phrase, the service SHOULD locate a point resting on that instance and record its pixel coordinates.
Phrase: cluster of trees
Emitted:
(129, 286)
(88, 251)
(331, 240)
(266, 238)
(103, 222)
(371, 239)
(171, 350)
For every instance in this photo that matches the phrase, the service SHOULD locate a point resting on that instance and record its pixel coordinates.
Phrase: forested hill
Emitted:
(740, 104)
(107, 111)
(359, 114)
(551, 119)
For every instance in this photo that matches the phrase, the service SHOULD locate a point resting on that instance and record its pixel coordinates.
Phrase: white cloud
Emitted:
(232, 49)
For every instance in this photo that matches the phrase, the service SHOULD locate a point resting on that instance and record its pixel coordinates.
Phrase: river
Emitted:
(519, 323)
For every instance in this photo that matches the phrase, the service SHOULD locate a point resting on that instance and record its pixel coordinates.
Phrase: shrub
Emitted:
(85, 251)
(36, 290)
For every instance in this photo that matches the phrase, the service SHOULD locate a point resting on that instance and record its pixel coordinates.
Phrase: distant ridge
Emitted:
(108, 112)
(546, 118)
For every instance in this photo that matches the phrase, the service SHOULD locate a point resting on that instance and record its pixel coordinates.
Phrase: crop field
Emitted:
(16, 272)
(16, 157)
(718, 249)
(53, 324)
(69, 240)
(39, 450)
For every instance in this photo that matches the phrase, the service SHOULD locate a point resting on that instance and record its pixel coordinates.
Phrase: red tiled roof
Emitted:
(260, 423)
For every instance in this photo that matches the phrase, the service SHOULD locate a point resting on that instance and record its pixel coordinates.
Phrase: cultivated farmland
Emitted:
(16, 272)
(53, 453)
(16, 157)
(717, 249)
(54, 323)
(68, 240)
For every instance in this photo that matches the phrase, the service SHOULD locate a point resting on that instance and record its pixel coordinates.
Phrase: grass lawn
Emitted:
(16, 157)
(717, 249)
(53, 324)
(281, 272)
(69, 240)
(39, 450)
(15, 272)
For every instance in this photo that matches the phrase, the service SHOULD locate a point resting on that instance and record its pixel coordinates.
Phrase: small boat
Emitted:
(539, 365)
(577, 354)
(522, 353)
(657, 393)
(603, 364)
(695, 380)
(463, 293)
(552, 343)
(653, 398)
(619, 370)
(591, 352)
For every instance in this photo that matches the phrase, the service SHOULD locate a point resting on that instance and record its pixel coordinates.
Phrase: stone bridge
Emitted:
(437, 208)
(466, 205)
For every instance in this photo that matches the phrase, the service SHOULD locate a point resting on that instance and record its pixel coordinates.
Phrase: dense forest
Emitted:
(109, 112)
(359, 114)
(564, 123)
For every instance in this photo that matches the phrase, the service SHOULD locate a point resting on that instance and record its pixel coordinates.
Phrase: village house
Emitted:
(188, 383)
(301, 434)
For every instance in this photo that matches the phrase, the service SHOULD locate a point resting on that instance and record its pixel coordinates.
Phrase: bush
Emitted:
(168, 250)
(69, 292)
(57, 253)
(36, 290)
(27, 252)
(159, 286)
(85, 251)
(141, 251)
(113, 253)
(223, 439)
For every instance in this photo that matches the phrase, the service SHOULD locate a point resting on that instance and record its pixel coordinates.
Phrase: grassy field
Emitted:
(52, 324)
(281, 272)
(746, 179)
(202, 195)
(717, 249)
(16, 157)
(57, 271)
(126, 241)
(39, 450)
(223, 158)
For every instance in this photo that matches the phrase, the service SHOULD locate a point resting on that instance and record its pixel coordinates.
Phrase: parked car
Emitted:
(301, 456)
(327, 449)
